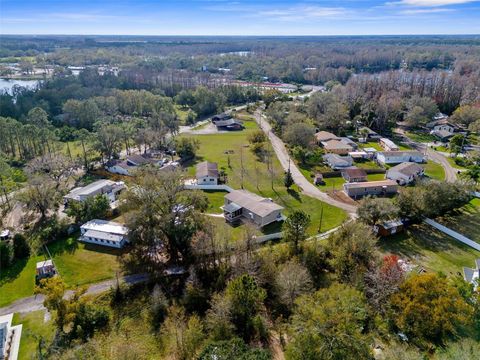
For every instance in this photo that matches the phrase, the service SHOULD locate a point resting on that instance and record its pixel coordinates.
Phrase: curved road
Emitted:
(307, 187)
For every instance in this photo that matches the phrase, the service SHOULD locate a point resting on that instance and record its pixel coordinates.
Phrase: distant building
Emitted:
(133, 162)
(360, 189)
(323, 136)
(388, 145)
(337, 162)
(336, 147)
(397, 157)
(220, 117)
(387, 228)
(354, 174)
(10, 337)
(472, 275)
(405, 173)
(229, 124)
(207, 173)
(250, 206)
(110, 189)
(102, 232)
(369, 133)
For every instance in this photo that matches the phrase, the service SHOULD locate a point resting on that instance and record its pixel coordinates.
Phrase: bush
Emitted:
(21, 249)
(6, 254)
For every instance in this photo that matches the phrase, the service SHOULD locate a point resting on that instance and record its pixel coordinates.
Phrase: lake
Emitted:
(7, 84)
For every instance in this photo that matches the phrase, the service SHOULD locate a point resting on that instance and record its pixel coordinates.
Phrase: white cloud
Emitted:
(432, 2)
(302, 13)
(424, 11)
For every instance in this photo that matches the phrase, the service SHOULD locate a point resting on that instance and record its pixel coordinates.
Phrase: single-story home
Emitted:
(371, 152)
(443, 124)
(132, 162)
(360, 189)
(349, 141)
(10, 337)
(220, 117)
(207, 173)
(388, 227)
(443, 135)
(356, 155)
(102, 232)
(397, 157)
(336, 147)
(388, 145)
(472, 275)
(369, 133)
(229, 124)
(323, 136)
(247, 205)
(405, 173)
(110, 189)
(354, 174)
(337, 162)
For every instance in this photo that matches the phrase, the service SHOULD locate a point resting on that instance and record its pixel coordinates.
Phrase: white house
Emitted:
(259, 210)
(388, 145)
(102, 232)
(472, 275)
(405, 173)
(337, 162)
(397, 157)
(110, 189)
(9, 338)
(360, 189)
(207, 173)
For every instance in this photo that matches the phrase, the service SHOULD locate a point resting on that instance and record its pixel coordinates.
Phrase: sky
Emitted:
(258, 17)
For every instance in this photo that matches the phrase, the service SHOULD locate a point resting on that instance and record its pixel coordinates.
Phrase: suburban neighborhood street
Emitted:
(307, 187)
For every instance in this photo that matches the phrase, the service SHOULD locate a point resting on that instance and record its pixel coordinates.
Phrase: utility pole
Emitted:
(321, 219)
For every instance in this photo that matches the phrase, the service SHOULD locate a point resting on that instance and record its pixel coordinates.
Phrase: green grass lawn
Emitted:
(466, 220)
(77, 263)
(372, 144)
(452, 162)
(33, 328)
(181, 113)
(430, 249)
(216, 199)
(18, 281)
(421, 137)
(375, 177)
(257, 176)
(434, 171)
(80, 263)
(367, 164)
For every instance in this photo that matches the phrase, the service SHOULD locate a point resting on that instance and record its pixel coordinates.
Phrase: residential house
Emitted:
(472, 275)
(244, 204)
(110, 189)
(397, 157)
(102, 232)
(323, 136)
(207, 173)
(337, 162)
(348, 141)
(405, 173)
(443, 129)
(358, 155)
(371, 152)
(132, 162)
(388, 145)
(387, 228)
(354, 174)
(360, 189)
(10, 337)
(229, 124)
(221, 117)
(337, 147)
(368, 133)
(45, 269)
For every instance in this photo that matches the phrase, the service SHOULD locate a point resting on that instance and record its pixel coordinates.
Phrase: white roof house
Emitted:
(388, 144)
(405, 173)
(105, 187)
(260, 210)
(472, 275)
(207, 173)
(102, 232)
(9, 338)
(336, 161)
(397, 157)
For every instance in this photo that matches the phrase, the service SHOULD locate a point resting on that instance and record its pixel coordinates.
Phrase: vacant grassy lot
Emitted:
(77, 263)
(18, 281)
(421, 137)
(231, 149)
(430, 249)
(434, 171)
(466, 220)
(33, 328)
(372, 144)
(80, 263)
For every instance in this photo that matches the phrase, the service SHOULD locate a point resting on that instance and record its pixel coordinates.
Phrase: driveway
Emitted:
(34, 303)
(307, 187)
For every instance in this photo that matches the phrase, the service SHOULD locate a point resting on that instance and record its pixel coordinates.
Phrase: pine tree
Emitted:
(288, 179)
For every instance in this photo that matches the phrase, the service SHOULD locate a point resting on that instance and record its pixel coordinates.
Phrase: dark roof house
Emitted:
(354, 174)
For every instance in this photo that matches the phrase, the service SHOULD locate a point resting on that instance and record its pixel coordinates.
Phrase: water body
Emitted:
(8, 84)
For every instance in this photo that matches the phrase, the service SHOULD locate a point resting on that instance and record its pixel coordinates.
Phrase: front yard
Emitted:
(434, 171)
(466, 220)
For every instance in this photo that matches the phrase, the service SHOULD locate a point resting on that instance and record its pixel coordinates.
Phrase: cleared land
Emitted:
(231, 149)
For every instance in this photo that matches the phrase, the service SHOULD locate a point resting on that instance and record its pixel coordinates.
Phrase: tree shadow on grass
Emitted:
(12, 272)
(295, 194)
(66, 245)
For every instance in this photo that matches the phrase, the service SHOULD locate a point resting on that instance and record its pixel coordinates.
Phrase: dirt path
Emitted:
(307, 187)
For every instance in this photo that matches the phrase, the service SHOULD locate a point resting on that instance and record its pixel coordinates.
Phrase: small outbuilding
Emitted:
(388, 145)
(388, 228)
(45, 269)
(472, 275)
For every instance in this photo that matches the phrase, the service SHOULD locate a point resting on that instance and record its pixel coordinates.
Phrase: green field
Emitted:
(431, 249)
(434, 171)
(372, 144)
(466, 220)
(77, 263)
(452, 162)
(34, 328)
(421, 137)
(231, 148)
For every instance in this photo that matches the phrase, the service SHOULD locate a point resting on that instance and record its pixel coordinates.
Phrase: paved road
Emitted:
(34, 303)
(307, 187)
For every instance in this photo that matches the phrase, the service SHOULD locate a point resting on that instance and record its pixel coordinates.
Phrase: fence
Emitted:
(454, 234)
